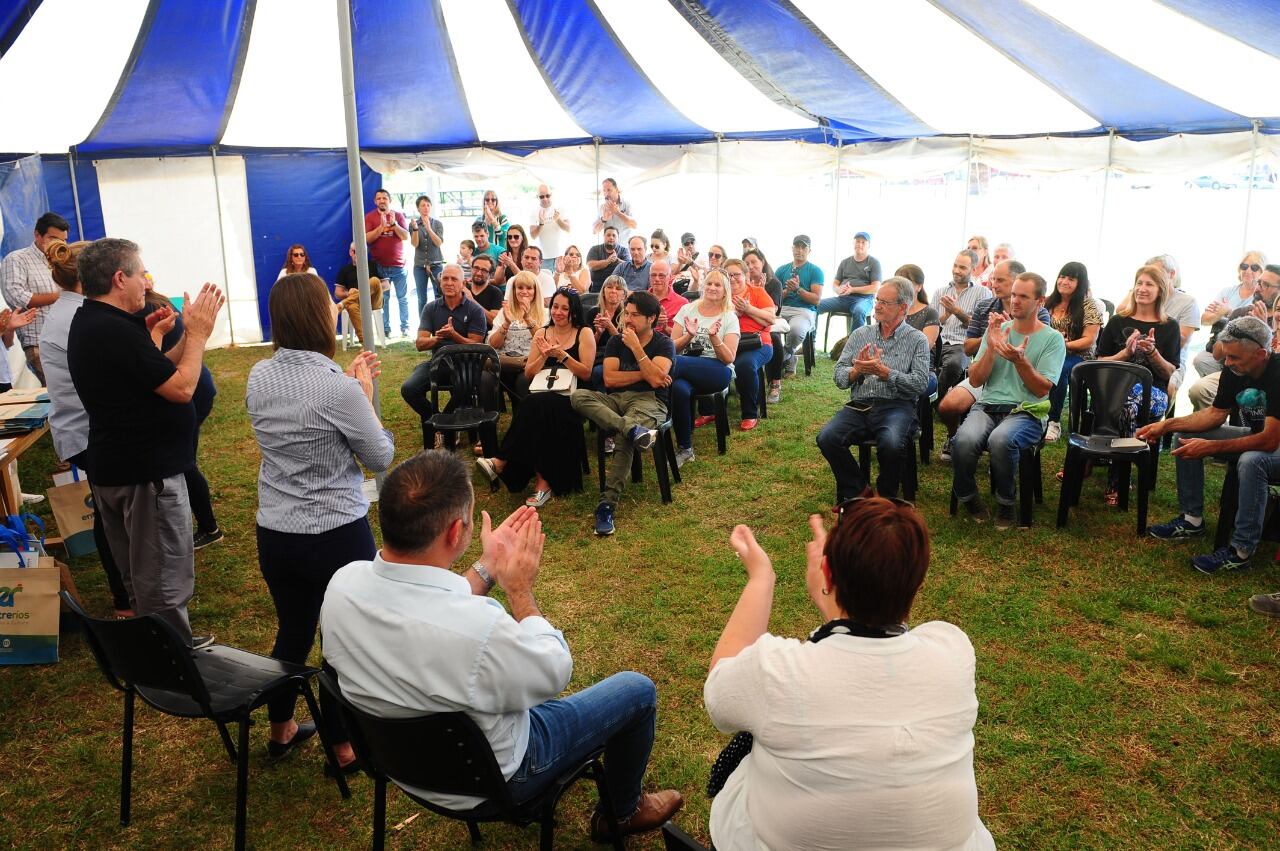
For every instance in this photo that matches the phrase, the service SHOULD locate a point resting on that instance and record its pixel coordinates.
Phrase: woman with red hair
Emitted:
(862, 736)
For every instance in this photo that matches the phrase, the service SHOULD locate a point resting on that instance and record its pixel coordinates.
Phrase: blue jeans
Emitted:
(889, 423)
(746, 375)
(400, 281)
(693, 377)
(1058, 395)
(421, 276)
(1003, 441)
(619, 713)
(1255, 469)
(857, 306)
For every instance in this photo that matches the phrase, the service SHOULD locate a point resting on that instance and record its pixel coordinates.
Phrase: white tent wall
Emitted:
(169, 206)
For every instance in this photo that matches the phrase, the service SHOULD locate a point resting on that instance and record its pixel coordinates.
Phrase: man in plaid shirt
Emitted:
(25, 282)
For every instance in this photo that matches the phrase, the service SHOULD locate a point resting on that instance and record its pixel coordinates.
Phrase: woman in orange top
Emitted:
(756, 312)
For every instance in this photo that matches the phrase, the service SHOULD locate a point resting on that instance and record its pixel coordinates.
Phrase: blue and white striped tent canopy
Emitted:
(180, 75)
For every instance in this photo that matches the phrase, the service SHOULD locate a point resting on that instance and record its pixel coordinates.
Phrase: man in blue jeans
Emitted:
(408, 635)
(857, 279)
(1250, 384)
(385, 231)
(1018, 362)
(885, 367)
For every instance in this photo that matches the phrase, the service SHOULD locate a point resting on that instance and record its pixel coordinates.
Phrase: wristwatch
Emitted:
(483, 573)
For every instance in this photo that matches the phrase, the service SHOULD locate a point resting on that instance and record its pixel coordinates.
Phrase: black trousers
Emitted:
(297, 568)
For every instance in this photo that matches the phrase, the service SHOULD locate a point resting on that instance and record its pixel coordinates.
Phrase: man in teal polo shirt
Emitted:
(801, 291)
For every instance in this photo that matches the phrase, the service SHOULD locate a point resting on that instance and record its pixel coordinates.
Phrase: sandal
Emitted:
(539, 499)
(1113, 497)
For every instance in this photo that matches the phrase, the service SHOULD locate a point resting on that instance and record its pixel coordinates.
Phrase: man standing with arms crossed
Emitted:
(141, 424)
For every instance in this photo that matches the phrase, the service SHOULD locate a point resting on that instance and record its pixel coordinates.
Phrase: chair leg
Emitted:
(1068, 477)
(227, 744)
(911, 482)
(1143, 478)
(126, 760)
(379, 813)
(1026, 488)
(670, 440)
(547, 826)
(606, 803)
(242, 783)
(637, 468)
(762, 378)
(600, 456)
(323, 730)
(473, 830)
(722, 423)
(955, 503)
(660, 467)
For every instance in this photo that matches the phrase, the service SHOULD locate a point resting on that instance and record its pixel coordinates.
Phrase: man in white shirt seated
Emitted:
(408, 635)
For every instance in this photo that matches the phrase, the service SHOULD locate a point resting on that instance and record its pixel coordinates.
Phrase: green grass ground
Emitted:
(1126, 701)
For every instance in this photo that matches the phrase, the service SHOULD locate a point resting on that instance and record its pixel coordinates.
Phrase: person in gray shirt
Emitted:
(426, 234)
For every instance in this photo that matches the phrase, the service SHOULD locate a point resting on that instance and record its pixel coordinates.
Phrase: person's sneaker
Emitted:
(977, 509)
(944, 454)
(1006, 517)
(1223, 558)
(641, 437)
(200, 642)
(775, 394)
(655, 810)
(32, 498)
(1266, 604)
(684, 456)
(1178, 527)
(487, 467)
(604, 519)
(1054, 432)
(608, 446)
(204, 539)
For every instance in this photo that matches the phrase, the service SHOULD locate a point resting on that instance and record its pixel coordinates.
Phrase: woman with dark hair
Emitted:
(207, 530)
(315, 424)
(545, 439)
(862, 736)
(1074, 314)
(509, 260)
(921, 316)
(296, 261)
(659, 246)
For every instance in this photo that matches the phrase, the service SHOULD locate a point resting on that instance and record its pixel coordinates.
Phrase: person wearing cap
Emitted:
(1250, 386)
(857, 279)
(801, 291)
(749, 243)
(688, 266)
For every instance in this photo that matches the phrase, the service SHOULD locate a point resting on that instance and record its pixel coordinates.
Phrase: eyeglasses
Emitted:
(845, 506)
(884, 303)
(655, 247)
(548, 195)
(573, 254)
(299, 254)
(735, 276)
(1250, 266)
(491, 200)
(715, 255)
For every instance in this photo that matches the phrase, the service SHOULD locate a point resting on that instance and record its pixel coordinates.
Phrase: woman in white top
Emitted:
(513, 328)
(296, 261)
(863, 735)
(570, 272)
(1237, 295)
(705, 333)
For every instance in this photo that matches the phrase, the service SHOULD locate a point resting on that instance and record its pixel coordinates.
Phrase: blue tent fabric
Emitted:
(22, 201)
(1254, 22)
(57, 184)
(14, 15)
(178, 37)
(304, 200)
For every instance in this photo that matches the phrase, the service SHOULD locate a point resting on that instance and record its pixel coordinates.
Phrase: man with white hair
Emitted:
(885, 368)
(1250, 384)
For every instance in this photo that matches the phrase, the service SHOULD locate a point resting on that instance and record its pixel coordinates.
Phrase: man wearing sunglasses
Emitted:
(548, 224)
(885, 368)
(1209, 363)
(1018, 362)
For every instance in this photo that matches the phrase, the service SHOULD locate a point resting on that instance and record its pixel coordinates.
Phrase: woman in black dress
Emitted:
(545, 439)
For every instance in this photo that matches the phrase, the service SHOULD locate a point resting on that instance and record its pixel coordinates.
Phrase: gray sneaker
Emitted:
(944, 454)
(1006, 517)
(684, 456)
(775, 394)
(642, 438)
(977, 509)
(1266, 604)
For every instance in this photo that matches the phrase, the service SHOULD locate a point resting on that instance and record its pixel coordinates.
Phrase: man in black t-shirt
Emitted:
(1251, 385)
(141, 424)
(346, 289)
(602, 258)
(637, 375)
(488, 296)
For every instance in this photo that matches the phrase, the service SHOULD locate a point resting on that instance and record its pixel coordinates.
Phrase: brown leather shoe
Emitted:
(655, 810)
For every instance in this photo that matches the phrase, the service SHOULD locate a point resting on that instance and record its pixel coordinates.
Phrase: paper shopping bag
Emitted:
(28, 615)
(73, 511)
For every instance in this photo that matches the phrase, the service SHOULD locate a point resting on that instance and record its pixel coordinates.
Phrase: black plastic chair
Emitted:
(664, 459)
(720, 405)
(1229, 504)
(469, 411)
(911, 477)
(826, 329)
(675, 839)
(924, 420)
(1030, 482)
(445, 752)
(807, 347)
(1091, 430)
(144, 656)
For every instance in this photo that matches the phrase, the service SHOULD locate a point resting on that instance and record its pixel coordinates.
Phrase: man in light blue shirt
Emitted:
(407, 635)
(634, 271)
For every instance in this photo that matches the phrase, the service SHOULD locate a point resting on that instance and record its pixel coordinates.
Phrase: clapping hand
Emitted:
(1145, 345)
(815, 575)
(947, 303)
(200, 314)
(690, 326)
(364, 369)
(10, 320)
(559, 264)
(714, 330)
(159, 322)
(446, 330)
(740, 304)
(868, 362)
(549, 348)
(753, 558)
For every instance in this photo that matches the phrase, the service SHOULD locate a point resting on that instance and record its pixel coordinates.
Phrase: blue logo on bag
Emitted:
(6, 595)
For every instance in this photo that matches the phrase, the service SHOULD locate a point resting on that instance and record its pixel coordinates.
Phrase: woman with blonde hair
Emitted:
(512, 336)
(705, 333)
(1239, 294)
(605, 321)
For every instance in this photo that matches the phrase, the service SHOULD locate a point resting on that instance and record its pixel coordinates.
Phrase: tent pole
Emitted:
(716, 231)
(75, 190)
(968, 181)
(357, 190)
(1106, 183)
(1248, 198)
(596, 142)
(222, 242)
(835, 214)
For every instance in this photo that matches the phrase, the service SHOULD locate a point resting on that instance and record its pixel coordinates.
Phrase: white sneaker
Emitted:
(683, 456)
(1054, 432)
(32, 498)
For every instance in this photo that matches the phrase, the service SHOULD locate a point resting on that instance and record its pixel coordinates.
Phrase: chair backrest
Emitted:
(589, 301)
(442, 752)
(466, 363)
(1107, 385)
(143, 651)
